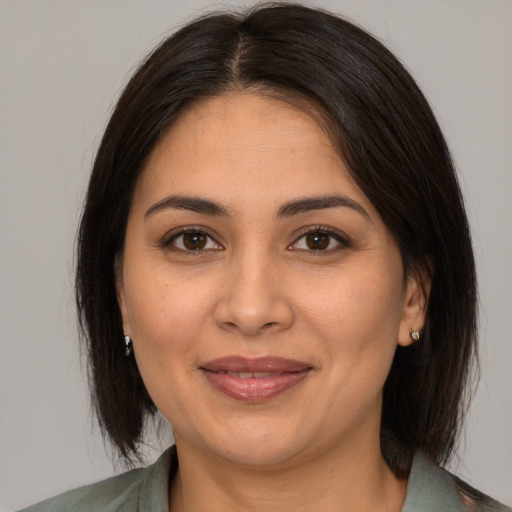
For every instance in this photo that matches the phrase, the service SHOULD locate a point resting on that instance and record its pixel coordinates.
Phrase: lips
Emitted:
(254, 380)
(253, 375)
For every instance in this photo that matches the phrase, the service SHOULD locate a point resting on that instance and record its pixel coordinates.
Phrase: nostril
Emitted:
(265, 313)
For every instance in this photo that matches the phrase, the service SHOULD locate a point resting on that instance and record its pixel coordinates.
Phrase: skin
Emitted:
(257, 288)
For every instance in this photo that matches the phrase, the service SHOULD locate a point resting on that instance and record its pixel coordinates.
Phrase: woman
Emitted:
(266, 257)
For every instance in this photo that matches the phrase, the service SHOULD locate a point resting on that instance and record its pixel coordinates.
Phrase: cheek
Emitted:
(164, 313)
(357, 318)
(166, 319)
(355, 307)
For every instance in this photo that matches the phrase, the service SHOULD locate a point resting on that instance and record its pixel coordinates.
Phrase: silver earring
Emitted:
(415, 334)
(128, 346)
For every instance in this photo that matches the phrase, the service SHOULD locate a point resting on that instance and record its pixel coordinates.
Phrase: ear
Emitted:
(120, 293)
(414, 307)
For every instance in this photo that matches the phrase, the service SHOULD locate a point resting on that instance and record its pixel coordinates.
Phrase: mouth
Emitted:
(254, 380)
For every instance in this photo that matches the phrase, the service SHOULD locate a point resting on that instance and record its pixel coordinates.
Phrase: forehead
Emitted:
(241, 122)
(237, 145)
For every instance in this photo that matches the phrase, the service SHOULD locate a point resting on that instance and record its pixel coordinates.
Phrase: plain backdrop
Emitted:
(62, 64)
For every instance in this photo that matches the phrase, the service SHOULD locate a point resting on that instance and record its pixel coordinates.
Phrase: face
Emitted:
(263, 293)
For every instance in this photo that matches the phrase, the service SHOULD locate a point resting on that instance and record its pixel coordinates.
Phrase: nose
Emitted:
(253, 301)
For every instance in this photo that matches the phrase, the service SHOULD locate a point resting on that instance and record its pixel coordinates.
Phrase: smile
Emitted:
(253, 375)
(254, 380)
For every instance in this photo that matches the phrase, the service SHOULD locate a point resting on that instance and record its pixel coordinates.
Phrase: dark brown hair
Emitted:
(385, 131)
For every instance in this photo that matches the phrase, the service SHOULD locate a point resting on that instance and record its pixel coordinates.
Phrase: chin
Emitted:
(259, 455)
(253, 437)
(249, 446)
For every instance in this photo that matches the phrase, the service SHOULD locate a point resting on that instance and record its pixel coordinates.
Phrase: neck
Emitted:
(341, 479)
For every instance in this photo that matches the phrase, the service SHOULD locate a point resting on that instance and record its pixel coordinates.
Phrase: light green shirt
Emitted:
(430, 489)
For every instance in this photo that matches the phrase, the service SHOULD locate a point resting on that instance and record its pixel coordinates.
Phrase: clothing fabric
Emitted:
(430, 489)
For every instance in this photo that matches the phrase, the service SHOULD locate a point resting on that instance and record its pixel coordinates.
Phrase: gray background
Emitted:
(62, 64)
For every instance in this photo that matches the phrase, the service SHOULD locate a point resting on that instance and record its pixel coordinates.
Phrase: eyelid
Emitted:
(343, 240)
(183, 230)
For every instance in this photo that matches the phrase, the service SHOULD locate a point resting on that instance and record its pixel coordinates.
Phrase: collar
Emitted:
(430, 488)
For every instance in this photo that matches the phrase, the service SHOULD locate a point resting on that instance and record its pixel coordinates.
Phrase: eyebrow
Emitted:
(193, 204)
(308, 204)
(289, 209)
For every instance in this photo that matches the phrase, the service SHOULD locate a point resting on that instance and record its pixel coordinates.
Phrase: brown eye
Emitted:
(320, 240)
(193, 241)
(317, 241)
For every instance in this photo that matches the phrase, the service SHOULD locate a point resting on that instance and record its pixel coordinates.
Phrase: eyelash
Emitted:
(190, 230)
(342, 241)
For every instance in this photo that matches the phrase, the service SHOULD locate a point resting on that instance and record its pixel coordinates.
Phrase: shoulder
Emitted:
(432, 488)
(474, 500)
(117, 493)
(139, 489)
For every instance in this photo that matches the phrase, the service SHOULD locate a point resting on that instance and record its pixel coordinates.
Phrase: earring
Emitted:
(128, 346)
(415, 334)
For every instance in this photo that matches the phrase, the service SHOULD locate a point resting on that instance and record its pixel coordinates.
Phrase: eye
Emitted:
(193, 240)
(319, 240)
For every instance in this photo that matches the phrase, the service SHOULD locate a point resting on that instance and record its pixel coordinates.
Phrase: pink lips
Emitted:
(254, 380)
